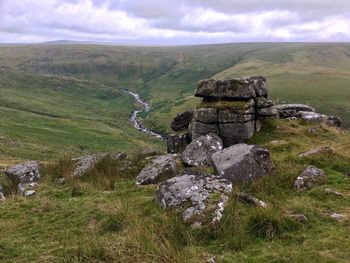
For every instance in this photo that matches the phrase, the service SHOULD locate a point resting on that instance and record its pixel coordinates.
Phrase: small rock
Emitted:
(61, 180)
(29, 193)
(194, 191)
(309, 177)
(317, 151)
(199, 151)
(309, 116)
(163, 166)
(331, 191)
(243, 162)
(338, 217)
(176, 143)
(245, 198)
(312, 130)
(333, 121)
(261, 102)
(300, 218)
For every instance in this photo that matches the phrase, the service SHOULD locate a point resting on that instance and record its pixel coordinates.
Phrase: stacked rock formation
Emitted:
(232, 108)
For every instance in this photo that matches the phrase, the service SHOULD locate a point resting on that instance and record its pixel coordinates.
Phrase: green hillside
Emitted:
(316, 74)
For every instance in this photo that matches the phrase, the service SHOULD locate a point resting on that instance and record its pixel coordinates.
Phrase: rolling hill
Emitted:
(69, 94)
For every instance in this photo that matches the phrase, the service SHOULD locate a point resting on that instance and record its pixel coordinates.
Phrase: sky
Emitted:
(165, 22)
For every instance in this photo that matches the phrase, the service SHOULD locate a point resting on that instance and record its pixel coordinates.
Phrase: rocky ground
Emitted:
(283, 193)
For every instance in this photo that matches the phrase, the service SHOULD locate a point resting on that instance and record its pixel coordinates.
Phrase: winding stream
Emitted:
(134, 119)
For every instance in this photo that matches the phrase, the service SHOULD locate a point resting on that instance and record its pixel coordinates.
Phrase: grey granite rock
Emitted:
(199, 151)
(243, 162)
(194, 191)
(160, 168)
(309, 178)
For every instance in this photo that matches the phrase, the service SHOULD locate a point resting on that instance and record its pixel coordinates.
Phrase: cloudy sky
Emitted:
(174, 21)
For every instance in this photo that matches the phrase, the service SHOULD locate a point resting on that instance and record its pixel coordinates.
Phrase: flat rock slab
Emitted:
(199, 129)
(206, 115)
(195, 191)
(309, 178)
(86, 163)
(162, 167)
(292, 110)
(232, 133)
(318, 151)
(243, 162)
(199, 151)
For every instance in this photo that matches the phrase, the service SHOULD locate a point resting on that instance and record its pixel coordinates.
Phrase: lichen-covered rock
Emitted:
(27, 174)
(196, 192)
(243, 162)
(181, 121)
(259, 84)
(292, 110)
(162, 167)
(176, 143)
(232, 133)
(333, 121)
(269, 111)
(310, 116)
(318, 151)
(206, 115)
(199, 151)
(231, 88)
(261, 102)
(309, 177)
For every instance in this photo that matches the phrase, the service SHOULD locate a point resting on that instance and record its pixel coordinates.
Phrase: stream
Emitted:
(134, 119)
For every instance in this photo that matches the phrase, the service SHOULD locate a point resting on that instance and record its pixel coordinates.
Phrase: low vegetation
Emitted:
(105, 217)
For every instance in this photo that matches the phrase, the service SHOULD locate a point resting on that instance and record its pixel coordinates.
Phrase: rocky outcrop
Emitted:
(309, 177)
(199, 151)
(195, 192)
(243, 163)
(27, 175)
(233, 108)
(84, 164)
(181, 121)
(160, 168)
(317, 151)
(292, 110)
(307, 114)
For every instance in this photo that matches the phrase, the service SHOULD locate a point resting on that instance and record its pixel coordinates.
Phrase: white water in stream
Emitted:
(134, 119)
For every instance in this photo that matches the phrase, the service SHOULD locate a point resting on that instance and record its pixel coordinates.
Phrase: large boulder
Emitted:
(243, 162)
(160, 168)
(181, 121)
(292, 110)
(176, 143)
(231, 88)
(199, 151)
(27, 175)
(85, 163)
(195, 191)
(309, 178)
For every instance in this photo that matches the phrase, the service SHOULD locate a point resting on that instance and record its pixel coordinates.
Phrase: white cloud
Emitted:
(174, 22)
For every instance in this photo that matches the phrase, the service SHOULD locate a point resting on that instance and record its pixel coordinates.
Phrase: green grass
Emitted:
(92, 220)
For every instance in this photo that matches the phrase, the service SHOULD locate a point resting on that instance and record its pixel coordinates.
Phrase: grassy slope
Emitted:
(166, 76)
(47, 117)
(79, 222)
